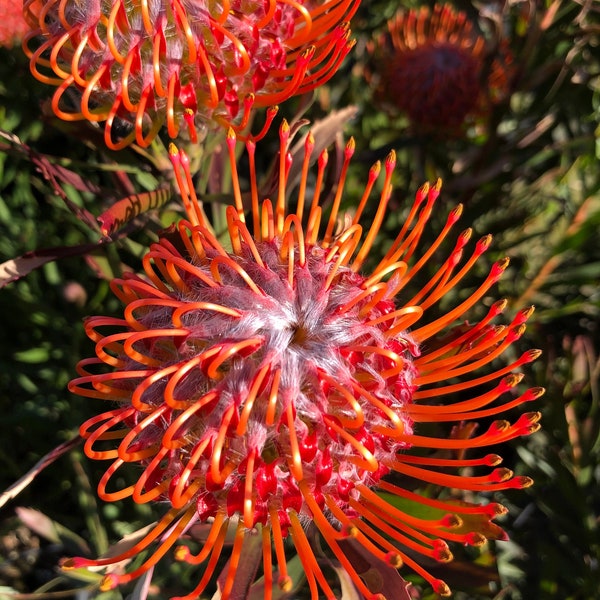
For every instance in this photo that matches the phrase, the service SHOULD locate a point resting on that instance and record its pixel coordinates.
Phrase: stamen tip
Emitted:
(285, 584)
(350, 531)
(390, 163)
(493, 460)
(500, 306)
(533, 354)
(309, 143)
(350, 147)
(536, 392)
(441, 552)
(496, 510)
(522, 482)
(451, 521)
(441, 587)
(475, 539)
(109, 582)
(455, 213)
(182, 553)
(394, 560)
(72, 563)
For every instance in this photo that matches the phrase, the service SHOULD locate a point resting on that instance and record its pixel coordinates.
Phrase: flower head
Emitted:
(12, 24)
(182, 63)
(268, 384)
(432, 65)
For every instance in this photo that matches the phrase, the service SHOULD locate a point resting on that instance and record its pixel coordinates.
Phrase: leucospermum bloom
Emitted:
(183, 63)
(433, 66)
(267, 384)
(12, 24)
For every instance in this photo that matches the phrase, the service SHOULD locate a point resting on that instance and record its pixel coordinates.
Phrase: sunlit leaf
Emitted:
(52, 531)
(14, 269)
(17, 487)
(123, 211)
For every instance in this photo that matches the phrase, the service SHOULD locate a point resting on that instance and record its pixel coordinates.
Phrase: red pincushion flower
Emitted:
(181, 62)
(12, 23)
(274, 386)
(432, 66)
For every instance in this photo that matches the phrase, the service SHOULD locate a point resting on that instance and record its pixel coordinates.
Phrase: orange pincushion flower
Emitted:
(432, 66)
(181, 62)
(12, 23)
(274, 386)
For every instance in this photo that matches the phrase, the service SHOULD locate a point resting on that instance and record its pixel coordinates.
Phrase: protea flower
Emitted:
(185, 63)
(12, 24)
(436, 68)
(267, 384)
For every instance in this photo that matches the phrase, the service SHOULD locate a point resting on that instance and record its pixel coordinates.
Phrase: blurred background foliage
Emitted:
(527, 172)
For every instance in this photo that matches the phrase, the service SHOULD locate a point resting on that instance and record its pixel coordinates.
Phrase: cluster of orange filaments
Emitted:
(267, 384)
(432, 65)
(183, 63)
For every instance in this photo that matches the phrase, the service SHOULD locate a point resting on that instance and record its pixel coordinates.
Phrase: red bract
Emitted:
(432, 65)
(182, 63)
(273, 386)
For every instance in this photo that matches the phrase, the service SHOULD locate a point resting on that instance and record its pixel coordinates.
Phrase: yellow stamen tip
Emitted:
(108, 583)
(441, 552)
(182, 553)
(499, 510)
(441, 587)
(451, 521)
(394, 560)
(476, 539)
(501, 305)
(285, 584)
(350, 531)
(503, 262)
(527, 311)
(493, 460)
(466, 235)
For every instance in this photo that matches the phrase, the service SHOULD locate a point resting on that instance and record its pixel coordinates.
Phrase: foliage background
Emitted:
(529, 175)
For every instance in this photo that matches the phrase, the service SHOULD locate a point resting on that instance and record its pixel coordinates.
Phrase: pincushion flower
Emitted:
(12, 24)
(183, 63)
(269, 384)
(433, 66)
